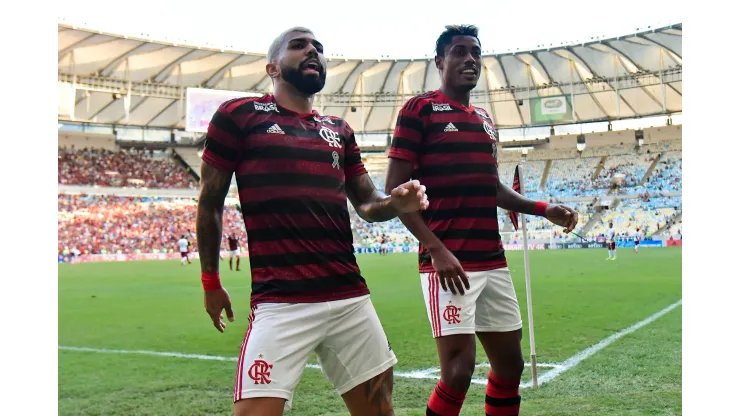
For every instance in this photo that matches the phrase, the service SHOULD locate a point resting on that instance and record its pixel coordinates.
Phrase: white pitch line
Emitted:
(576, 359)
(418, 374)
(429, 373)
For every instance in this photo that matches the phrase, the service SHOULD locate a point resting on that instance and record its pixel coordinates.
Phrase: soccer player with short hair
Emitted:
(295, 170)
(233, 251)
(611, 244)
(450, 146)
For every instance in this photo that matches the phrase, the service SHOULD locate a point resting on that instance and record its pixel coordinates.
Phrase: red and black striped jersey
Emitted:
(290, 171)
(453, 149)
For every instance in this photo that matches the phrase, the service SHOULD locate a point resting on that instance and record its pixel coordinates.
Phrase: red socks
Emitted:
(444, 401)
(502, 396)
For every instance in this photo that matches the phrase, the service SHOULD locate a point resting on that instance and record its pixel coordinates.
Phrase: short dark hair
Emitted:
(277, 43)
(454, 30)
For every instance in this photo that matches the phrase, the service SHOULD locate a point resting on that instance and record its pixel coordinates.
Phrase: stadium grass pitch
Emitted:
(579, 300)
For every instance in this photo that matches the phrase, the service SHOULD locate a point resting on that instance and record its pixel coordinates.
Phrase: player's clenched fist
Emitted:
(409, 197)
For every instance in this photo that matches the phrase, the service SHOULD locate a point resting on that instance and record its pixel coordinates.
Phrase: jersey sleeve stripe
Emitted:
(405, 144)
(225, 126)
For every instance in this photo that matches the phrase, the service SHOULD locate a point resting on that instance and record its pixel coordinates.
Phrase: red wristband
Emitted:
(211, 281)
(540, 208)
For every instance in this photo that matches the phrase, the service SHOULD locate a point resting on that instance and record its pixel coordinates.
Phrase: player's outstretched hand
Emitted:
(409, 197)
(216, 301)
(561, 215)
(449, 271)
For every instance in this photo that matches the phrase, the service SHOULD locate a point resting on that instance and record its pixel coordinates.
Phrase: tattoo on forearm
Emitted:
(214, 185)
(371, 204)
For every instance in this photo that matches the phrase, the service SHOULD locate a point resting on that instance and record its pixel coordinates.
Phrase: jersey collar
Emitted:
(448, 100)
(284, 110)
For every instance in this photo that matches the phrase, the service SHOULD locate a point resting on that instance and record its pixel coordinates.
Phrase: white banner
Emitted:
(202, 103)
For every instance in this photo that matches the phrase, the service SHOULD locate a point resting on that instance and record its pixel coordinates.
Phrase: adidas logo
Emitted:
(450, 127)
(275, 129)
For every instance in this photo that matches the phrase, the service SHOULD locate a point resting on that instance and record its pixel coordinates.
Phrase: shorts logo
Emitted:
(266, 107)
(259, 371)
(330, 136)
(441, 107)
(451, 314)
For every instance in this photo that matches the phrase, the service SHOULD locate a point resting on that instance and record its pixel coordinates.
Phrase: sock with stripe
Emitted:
(502, 396)
(444, 401)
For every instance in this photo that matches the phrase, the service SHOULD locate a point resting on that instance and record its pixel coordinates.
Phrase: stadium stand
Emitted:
(138, 224)
(121, 168)
(130, 225)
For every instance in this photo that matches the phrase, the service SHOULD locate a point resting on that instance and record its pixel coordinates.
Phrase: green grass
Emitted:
(579, 299)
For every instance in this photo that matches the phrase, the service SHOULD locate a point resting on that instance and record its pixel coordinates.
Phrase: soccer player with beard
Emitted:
(295, 170)
(450, 146)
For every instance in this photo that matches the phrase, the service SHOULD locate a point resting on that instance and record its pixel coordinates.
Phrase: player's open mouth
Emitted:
(312, 66)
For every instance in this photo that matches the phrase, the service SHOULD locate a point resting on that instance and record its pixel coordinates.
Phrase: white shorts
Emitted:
(233, 253)
(489, 306)
(346, 335)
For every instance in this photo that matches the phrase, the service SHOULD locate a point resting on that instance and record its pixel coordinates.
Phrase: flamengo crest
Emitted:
(259, 371)
(330, 136)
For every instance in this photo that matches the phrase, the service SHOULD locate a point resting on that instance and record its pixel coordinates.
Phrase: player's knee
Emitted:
(510, 365)
(460, 372)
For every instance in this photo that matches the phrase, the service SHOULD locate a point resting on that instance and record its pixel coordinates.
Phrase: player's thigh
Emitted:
(450, 313)
(275, 350)
(355, 348)
(497, 308)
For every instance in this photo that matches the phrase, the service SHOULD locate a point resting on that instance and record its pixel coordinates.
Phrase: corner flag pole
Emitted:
(528, 283)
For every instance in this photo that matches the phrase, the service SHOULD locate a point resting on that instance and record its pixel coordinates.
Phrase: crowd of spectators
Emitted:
(130, 225)
(135, 168)
(125, 225)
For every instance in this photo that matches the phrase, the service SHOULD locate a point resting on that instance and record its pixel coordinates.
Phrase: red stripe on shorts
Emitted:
(240, 364)
(430, 289)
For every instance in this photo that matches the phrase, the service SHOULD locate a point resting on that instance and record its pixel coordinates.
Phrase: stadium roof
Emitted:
(369, 92)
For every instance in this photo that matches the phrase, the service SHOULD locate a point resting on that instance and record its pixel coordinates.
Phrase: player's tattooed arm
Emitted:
(214, 185)
(373, 205)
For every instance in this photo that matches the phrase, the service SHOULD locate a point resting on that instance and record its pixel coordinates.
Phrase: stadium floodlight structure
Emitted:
(118, 80)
